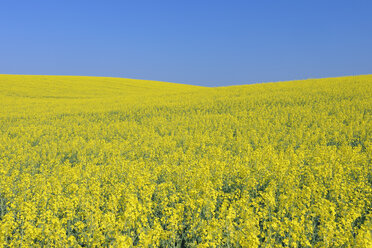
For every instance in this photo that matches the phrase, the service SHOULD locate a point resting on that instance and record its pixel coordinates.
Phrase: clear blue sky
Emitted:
(185, 41)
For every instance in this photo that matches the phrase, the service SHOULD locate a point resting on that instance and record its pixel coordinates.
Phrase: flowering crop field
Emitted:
(109, 162)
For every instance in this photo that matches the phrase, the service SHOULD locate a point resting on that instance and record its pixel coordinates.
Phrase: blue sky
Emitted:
(209, 43)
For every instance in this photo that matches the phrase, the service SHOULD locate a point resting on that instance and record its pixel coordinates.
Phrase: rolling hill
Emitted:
(111, 162)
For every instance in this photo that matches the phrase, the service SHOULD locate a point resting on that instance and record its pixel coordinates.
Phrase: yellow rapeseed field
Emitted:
(109, 162)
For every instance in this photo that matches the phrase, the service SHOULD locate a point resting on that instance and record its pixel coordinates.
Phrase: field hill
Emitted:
(111, 162)
(53, 94)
